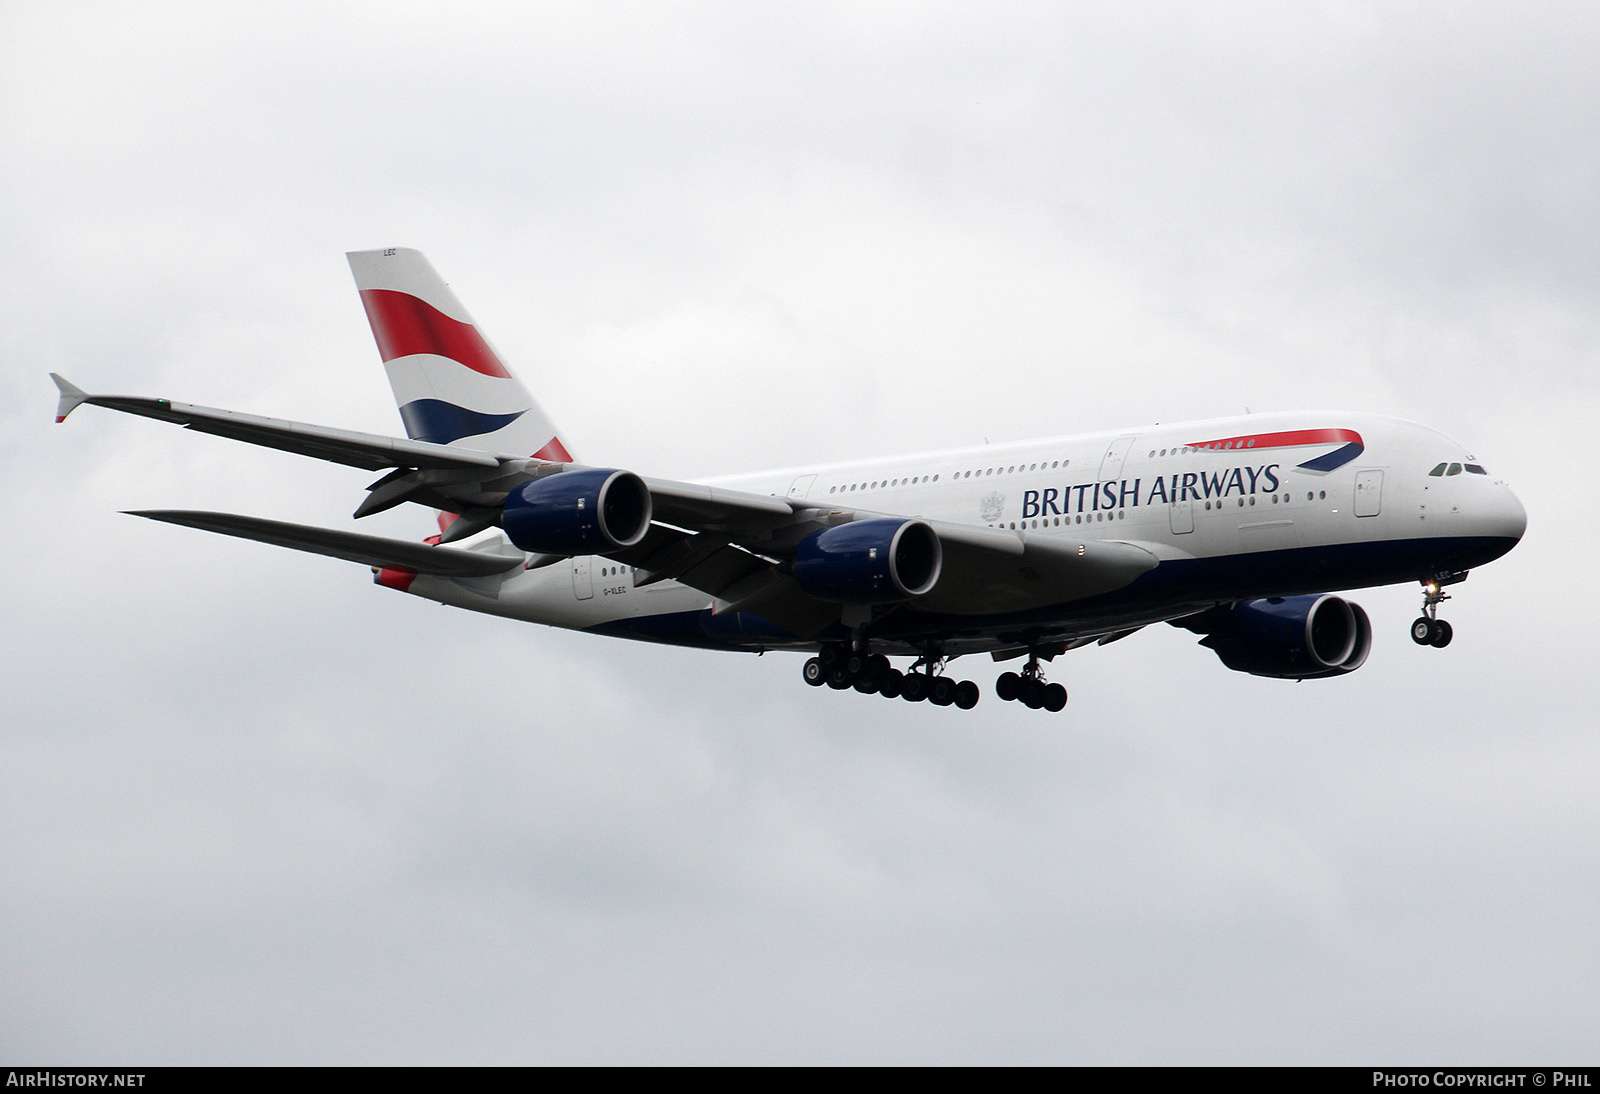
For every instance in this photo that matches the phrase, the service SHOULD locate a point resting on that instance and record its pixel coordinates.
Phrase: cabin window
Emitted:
(1322, 494)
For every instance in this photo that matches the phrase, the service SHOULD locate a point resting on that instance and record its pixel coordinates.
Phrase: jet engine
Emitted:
(586, 512)
(876, 561)
(1289, 638)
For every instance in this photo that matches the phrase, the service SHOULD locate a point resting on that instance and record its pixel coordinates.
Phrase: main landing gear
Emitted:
(1030, 688)
(1429, 629)
(840, 667)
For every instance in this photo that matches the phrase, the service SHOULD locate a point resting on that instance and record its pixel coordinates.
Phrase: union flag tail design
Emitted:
(450, 385)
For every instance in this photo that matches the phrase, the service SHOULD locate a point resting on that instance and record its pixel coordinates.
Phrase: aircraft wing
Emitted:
(713, 508)
(353, 546)
(985, 570)
(370, 451)
(730, 544)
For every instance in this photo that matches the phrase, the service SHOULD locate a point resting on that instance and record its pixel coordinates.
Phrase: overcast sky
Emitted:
(254, 809)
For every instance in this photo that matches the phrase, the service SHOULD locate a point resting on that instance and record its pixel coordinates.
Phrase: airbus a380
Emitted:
(1240, 530)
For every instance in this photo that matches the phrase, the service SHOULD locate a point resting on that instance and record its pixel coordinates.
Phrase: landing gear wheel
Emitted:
(856, 664)
(1424, 631)
(866, 685)
(840, 678)
(1033, 694)
(1008, 686)
(914, 688)
(1442, 633)
(1055, 698)
(967, 694)
(889, 686)
(942, 692)
(830, 656)
(814, 673)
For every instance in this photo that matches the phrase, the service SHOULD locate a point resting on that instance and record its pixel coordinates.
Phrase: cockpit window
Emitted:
(1455, 469)
(1476, 469)
(1437, 471)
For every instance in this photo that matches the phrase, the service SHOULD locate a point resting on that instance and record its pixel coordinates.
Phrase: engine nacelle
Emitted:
(578, 512)
(876, 561)
(1294, 637)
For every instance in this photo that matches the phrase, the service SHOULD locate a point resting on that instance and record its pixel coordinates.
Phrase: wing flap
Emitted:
(377, 551)
(981, 577)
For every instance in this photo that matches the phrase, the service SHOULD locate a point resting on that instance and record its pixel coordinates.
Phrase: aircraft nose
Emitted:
(1505, 517)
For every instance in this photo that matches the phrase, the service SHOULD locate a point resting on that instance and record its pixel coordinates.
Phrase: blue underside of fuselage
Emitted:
(1163, 592)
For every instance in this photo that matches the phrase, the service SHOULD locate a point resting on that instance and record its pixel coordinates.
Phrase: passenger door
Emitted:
(1181, 514)
(582, 582)
(1369, 493)
(1111, 463)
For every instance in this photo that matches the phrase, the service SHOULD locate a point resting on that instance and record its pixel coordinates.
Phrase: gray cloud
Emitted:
(255, 810)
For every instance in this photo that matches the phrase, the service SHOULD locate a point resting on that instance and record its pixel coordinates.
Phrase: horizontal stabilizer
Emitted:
(371, 451)
(377, 551)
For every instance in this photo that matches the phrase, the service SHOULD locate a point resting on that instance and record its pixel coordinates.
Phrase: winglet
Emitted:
(71, 396)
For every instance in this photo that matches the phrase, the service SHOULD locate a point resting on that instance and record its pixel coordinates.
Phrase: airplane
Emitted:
(1240, 530)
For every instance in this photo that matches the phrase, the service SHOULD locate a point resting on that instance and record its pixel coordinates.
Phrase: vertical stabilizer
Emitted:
(450, 385)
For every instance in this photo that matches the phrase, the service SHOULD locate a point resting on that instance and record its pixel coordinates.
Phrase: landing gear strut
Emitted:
(1030, 688)
(1429, 629)
(841, 667)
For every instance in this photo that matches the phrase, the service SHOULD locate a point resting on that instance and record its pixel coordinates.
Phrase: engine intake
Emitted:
(1292, 638)
(875, 561)
(579, 512)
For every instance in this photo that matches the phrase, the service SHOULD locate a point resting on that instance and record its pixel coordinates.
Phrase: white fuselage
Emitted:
(1229, 518)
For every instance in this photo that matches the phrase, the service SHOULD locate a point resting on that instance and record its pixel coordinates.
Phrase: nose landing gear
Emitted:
(1429, 629)
(1029, 688)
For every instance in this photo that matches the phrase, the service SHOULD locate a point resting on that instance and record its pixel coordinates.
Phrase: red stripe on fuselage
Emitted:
(1288, 439)
(402, 325)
